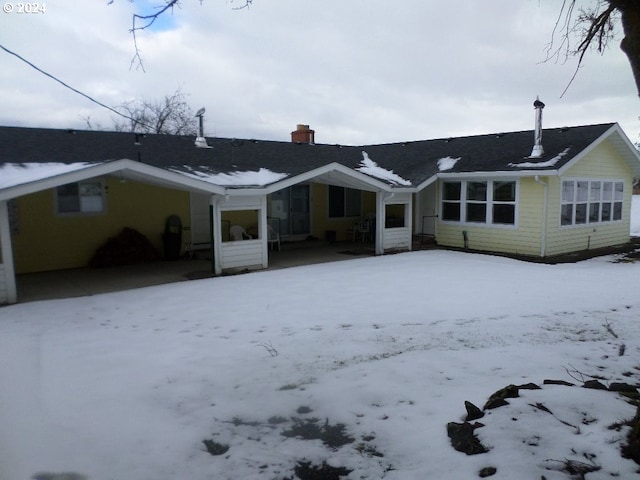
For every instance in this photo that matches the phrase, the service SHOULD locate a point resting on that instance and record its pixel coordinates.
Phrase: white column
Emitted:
(408, 215)
(263, 232)
(216, 217)
(7, 253)
(380, 219)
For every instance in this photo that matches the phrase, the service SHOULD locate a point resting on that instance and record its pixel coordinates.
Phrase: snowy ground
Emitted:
(128, 385)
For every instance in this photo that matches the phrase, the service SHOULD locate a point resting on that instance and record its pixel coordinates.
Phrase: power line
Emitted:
(66, 85)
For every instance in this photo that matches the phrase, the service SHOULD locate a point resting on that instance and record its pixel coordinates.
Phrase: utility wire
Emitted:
(68, 86)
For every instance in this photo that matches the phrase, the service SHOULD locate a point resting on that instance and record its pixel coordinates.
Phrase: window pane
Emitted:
(353, 198)
(594, 212)
(336, 201)
(606, 212)
(607, 191)
(477, 191)
(91, 204)
(504, 214)
(477, 212)
(451, 211)
(618, 192)
(504, 191)
(567, 191)
(68, 198)
(582, 191)
(617, 211)
(90, 197)
(581, 213)
(451, 190)
(566, 215)
(595, 191)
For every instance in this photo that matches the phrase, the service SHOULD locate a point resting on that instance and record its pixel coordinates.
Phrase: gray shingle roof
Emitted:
(414, 161)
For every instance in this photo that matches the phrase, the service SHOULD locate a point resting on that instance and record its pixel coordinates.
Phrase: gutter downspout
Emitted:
(543, 240)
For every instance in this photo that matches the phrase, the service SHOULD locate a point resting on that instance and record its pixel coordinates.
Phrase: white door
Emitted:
(428, 210)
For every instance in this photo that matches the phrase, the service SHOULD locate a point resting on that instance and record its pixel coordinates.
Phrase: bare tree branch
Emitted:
(594, 27)
(171, 115)
(142, 21)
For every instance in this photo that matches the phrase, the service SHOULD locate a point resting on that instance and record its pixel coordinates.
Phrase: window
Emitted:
(451, 201)
(344, 202)
(81, 197)
(473, 201)
(591, 201)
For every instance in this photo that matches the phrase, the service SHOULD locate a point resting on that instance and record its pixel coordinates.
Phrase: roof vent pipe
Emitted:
(537, 151)
(201, 142)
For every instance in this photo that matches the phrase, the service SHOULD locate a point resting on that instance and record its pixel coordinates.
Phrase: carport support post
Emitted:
(7, 253)
(215, 230)
(380, 219)
(263, 230)
(212, 247)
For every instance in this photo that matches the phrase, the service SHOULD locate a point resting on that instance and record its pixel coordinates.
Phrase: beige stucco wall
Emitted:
(46, 241)
(602, 163)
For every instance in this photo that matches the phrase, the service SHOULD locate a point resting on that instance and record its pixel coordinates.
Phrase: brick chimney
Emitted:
(303, 134)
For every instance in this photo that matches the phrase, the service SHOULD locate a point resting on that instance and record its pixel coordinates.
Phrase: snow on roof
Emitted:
(260, 178)
(12, 174)
(549, 163)
(447, 163)
(370, 167)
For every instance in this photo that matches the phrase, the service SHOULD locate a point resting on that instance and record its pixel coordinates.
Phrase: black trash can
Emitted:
(172, 238)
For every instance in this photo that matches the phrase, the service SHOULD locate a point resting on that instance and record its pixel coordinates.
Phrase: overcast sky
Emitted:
(356, 71)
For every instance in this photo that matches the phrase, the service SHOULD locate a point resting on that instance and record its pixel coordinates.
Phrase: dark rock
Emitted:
(622, 387)
(463, 439)
(498, 398)
(632, 448)
(487, 472)
(529, 386)
(594, 384)
(558, 382)
(215, 448)
(473, 412)
(306, 471)
(495, 403)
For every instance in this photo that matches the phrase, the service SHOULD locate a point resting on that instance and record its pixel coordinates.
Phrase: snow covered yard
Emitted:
(128, 385)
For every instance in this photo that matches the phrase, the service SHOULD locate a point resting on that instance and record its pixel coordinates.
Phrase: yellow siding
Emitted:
(46, 241)
(602, 162)
(320, 221)
(523, 240)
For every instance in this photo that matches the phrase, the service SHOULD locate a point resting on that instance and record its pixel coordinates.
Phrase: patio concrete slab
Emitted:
(91, 281)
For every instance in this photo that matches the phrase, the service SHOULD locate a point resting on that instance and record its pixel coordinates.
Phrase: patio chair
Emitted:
(361, 228)
(274, 237)
(238, 233)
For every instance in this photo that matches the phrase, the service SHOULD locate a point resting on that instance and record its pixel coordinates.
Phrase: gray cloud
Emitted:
(363, 71)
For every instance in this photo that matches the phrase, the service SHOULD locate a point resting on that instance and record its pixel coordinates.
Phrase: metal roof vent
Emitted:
(537, 151)
(201, 142)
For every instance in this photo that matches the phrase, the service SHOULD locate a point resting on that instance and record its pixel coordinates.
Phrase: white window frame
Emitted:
(592, 200)
(489, 202)
(84, 208)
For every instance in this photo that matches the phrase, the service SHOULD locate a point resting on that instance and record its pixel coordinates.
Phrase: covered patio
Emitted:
(81, 282)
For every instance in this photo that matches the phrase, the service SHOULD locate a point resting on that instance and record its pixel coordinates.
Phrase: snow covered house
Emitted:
(533, 193)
